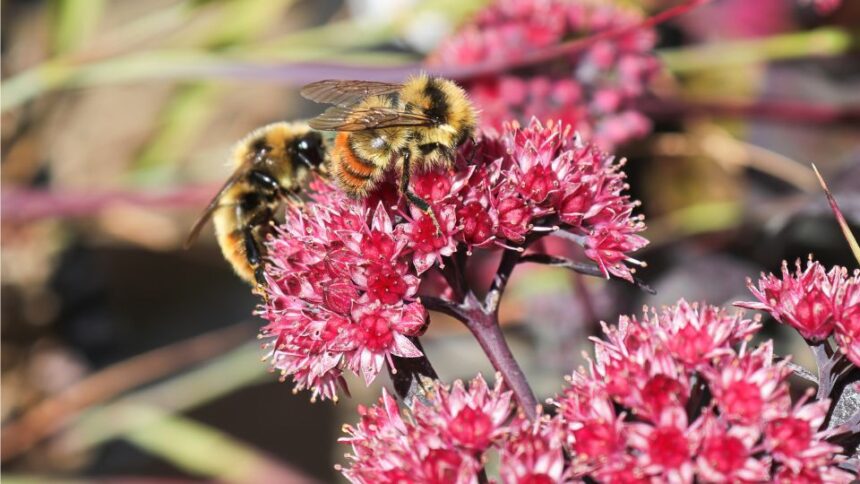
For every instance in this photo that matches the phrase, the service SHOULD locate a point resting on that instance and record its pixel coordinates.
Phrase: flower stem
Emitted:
(484, 324)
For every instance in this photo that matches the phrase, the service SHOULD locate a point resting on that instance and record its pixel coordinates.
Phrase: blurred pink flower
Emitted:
(823, 7)
(592, 90)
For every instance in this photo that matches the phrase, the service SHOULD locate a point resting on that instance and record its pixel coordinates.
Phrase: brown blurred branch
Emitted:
(50, 415)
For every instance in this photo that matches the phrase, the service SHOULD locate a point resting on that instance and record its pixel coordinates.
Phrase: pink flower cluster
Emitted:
(340, 293)
(591, 89)
(816, 302)
(343, 274)
(667, 398)
(442, 439)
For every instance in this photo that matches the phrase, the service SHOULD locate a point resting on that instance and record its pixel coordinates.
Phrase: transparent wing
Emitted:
(345, 119)
(215, 203)
(346, 93)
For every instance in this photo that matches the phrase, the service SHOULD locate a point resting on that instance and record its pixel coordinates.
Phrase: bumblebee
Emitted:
(413, 126)
(271, 165)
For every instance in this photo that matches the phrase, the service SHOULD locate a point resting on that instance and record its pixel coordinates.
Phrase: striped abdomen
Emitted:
(356, 175)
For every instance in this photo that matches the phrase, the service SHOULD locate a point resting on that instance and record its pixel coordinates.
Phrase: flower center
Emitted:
(471, 428)
(595, 439)
(385, 285)
(790, 435)
(813, 315)
(724, 453)
(668, 447)
(377, 332)
(743, 400)
(661, 392)
(536, 479)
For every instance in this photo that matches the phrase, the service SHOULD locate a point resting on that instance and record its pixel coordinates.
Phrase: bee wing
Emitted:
(338, 118)
(214, 204)
(346, 93)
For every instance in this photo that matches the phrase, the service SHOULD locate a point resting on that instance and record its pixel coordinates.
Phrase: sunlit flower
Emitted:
(695, 334)
(534, 455)
(339, 294)
(794, 440)
(343, 274)
(848, 320)
(666, 447)
(726, 453)
(814, 301)
(441, 440)
(670, 397)
(749, 388)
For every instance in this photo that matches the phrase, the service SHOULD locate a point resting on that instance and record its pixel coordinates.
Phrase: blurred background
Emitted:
(126, 358)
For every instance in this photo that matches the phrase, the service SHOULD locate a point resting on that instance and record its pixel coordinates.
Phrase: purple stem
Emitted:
(488, 332)
(788, 111)
(21, 204)
(482, 320)
(825, 370)
(579, 268)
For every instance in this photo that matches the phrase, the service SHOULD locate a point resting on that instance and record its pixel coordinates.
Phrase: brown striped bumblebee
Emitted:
(271, 166)
(412, 127)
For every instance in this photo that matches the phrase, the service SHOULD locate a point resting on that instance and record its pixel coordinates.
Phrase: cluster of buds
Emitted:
(592, 89)
(675, 395)
(343, 274)
(816, 302)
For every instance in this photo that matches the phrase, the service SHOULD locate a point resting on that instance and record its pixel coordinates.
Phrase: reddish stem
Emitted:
(302, 72)
(28, 205)
(485, 326)
(482, 319)
(789, 111)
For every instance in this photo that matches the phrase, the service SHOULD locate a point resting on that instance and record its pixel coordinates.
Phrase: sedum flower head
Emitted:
(640, 412)
(441, 440)
(816, 302)
(339, 295)
(592, 89)
(646, 410)
(343, 274)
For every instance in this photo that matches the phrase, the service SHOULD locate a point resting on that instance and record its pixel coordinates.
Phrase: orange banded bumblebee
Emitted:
(271, 165)
(413, 126)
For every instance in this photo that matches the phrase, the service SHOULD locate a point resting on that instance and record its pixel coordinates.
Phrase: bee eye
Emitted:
(310, 150)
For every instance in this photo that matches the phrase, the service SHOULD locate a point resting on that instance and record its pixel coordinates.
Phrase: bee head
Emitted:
(309, 149)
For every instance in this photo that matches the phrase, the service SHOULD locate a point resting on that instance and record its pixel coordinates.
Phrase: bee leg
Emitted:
(262, 179)
(412, 196)
(252, 253)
